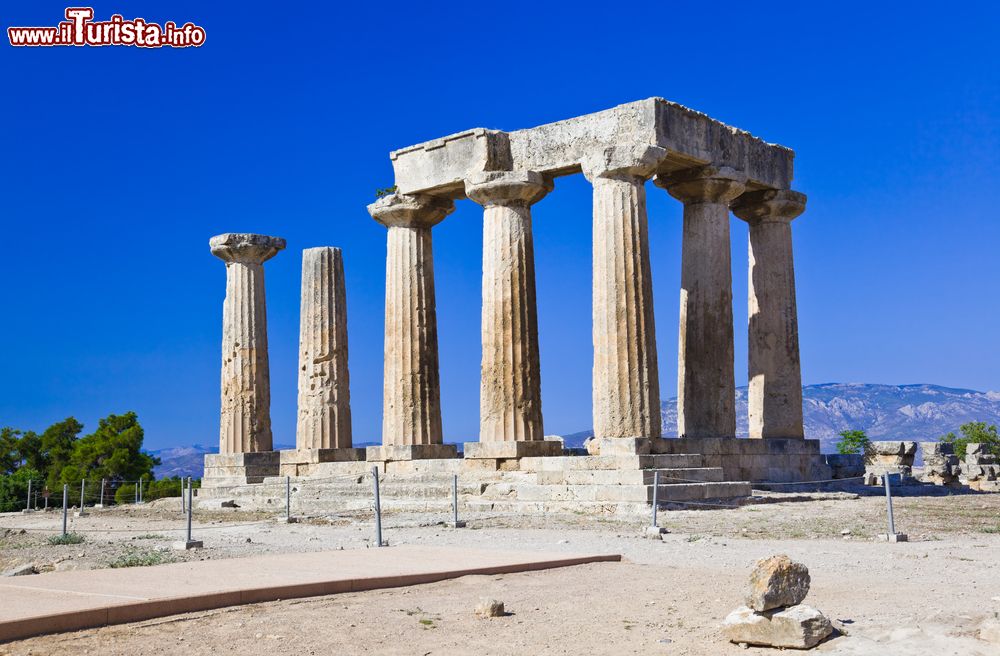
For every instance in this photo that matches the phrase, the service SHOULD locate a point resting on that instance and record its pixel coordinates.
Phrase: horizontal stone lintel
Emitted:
(520, 449)
(690, 138)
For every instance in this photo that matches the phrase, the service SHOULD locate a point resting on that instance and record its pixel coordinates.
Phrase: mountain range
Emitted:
(884, 412)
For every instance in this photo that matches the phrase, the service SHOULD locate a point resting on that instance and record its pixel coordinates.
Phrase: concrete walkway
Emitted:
(69, 601)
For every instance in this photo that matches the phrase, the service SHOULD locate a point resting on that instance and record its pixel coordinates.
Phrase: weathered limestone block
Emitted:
(777, 581)
(798, 627)
(324, 413)
(689, 137)
(891, 456)
(626, 383)
(940, 462)
(510, 400)
(411, 413)
(846, 465)
(245, 425)
(775, 394)
(706, 385)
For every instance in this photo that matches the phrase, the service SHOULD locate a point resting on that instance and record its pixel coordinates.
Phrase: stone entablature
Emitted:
(690, 139)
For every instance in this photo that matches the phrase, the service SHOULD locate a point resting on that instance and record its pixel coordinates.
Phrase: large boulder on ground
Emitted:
(798, 627)
(777, 581)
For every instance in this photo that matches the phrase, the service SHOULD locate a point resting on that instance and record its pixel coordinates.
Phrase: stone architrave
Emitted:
(510, 399)
(324, 416)
(411, 413)
(626, 384)
(245, 425)
(775, 372)
(706, 385)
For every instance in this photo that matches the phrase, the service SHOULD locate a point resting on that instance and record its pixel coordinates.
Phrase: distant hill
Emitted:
(885, 412)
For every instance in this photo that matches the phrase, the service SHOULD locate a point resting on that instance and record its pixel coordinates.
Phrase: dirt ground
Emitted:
(927, 596)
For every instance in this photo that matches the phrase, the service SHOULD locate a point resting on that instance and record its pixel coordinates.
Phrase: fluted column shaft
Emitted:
(324, 412)
(706, 386)
(775, 396)
(510, 399)
(245, 422)
(626, 383)
(411, 413)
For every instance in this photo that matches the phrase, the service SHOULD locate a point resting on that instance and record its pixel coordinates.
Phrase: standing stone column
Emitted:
(706, 386)
(411, 413)
(246, 385)
(626, 378)
(775, 372)
(324, 420)
(510, 396)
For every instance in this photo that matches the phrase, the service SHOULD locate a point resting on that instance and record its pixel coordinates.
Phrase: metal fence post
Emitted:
(140, 489)
(101, 500)
(65, 506)
(378, 510)
(183, 497)
(190, 511)
(136, 491)
(27, 506)
(189, 542)
(892, 535)
(454, 503)
(288, 499)
(83, 488)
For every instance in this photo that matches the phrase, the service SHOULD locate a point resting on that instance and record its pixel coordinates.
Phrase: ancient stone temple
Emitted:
(714, 170)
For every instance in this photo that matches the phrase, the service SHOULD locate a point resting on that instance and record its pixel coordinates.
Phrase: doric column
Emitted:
(775, 372)
(246, 385)
(510, 395)
(706, 387)
(626, 379)
(324, 419)
(411, 413)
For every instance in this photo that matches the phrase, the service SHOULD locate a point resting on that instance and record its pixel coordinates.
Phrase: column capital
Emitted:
(507, 187)
(246, 248)
(635, 160)
(410, 210)
(703, 184)
(769, 206)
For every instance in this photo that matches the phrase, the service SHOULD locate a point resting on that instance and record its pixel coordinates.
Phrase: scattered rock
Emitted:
(798, 627)
(777, 581)
(989, 631)
(21, 570)
(489, 608)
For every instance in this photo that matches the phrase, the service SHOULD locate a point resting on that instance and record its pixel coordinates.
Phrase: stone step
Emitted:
(616, 493)
(665, 461)
(630, 476)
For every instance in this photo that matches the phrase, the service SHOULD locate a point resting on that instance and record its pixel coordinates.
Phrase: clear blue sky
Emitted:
(119, 163)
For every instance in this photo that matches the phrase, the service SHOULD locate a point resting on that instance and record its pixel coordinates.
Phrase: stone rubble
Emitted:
(894, 457)
(980, 470)
(941, 465)
(775, 615)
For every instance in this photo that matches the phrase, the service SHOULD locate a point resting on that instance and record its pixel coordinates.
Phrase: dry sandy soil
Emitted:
(927, 596)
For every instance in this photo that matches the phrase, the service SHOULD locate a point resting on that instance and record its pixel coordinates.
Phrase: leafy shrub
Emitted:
(972, 433)
(139, 558)
(14, 489)
(125, 493)
(69, 538)
(853, 441)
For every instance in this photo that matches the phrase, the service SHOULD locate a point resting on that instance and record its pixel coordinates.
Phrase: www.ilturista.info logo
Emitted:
(79, 29)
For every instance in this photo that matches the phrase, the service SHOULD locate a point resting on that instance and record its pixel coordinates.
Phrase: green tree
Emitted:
(113, 452)
(57, 443)
(974, 432)
(29, 450)
(14, 489)
(853, 441)
(10, 460)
